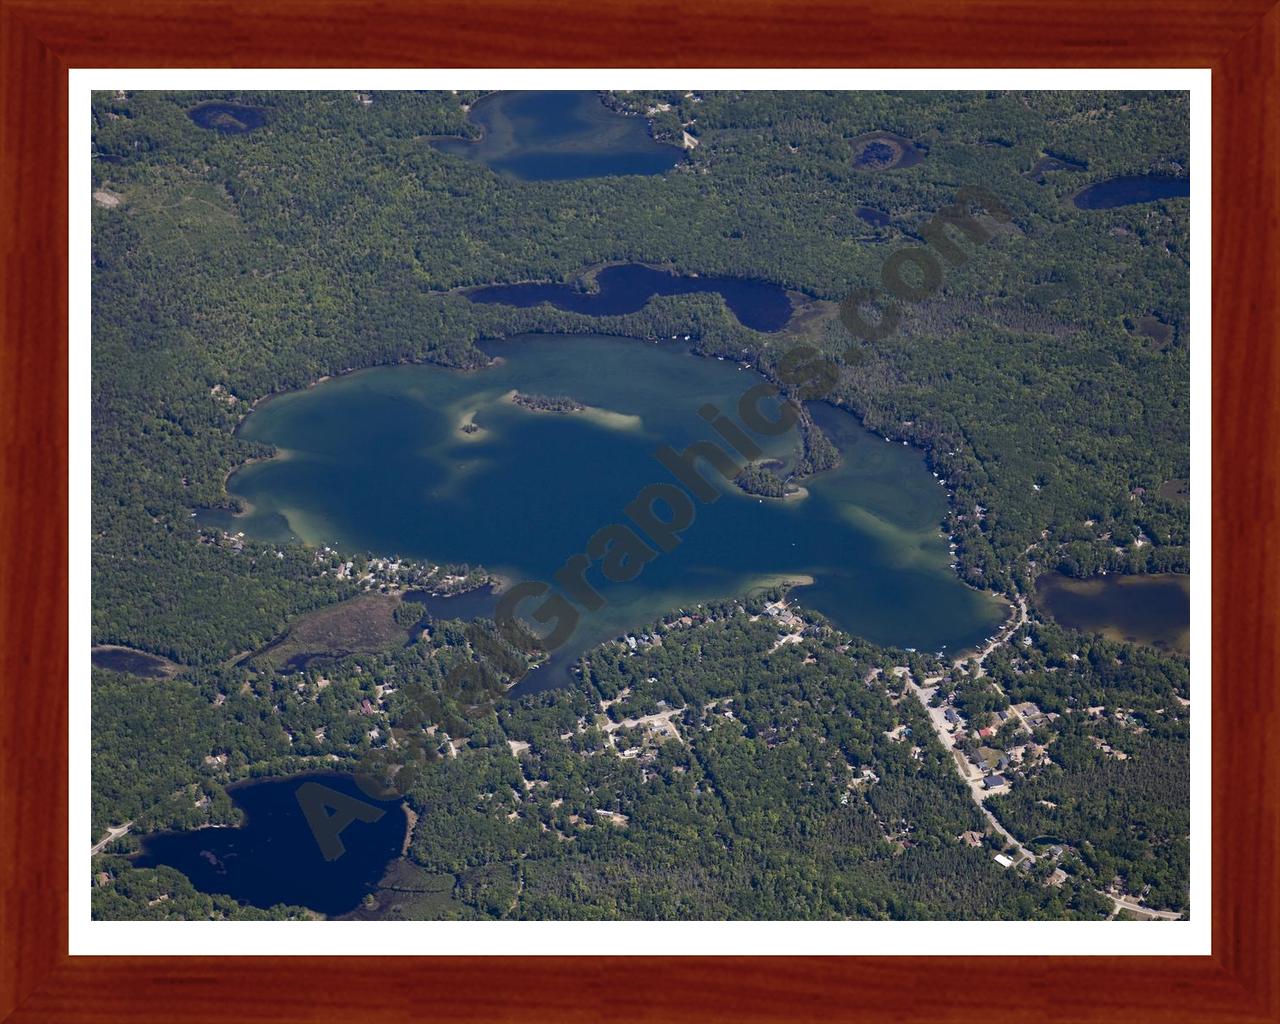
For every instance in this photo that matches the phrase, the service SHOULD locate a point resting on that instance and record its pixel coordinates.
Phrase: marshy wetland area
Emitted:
(863, 579)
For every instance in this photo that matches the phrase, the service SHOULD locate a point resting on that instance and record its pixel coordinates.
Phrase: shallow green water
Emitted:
(377, 461)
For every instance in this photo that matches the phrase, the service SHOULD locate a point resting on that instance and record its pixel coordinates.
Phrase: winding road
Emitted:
(973, 777)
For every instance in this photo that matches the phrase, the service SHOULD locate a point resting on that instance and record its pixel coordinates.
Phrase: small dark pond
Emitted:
(872, 216)
(135, 663)
(275, 857)
(228, 118)
(625, 289)
(1126, 191)
(1147, 609)
(1151, 326)
(885, 151)
(1050, 164)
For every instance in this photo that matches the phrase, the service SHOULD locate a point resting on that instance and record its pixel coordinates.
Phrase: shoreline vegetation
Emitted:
(466, 108)
(759, 480)
(411, 822)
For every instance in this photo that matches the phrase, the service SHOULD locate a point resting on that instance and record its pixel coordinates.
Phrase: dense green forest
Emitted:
(231, 267)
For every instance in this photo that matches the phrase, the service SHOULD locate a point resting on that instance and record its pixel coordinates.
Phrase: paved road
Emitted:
(1007, 631)
(1137, 908)
(969, 772)
(112, 834)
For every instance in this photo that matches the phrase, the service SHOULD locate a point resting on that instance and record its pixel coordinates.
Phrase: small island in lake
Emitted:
(546, 403)
(466, 427)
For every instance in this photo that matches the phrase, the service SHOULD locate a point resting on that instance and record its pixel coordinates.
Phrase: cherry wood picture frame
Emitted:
(41, 39)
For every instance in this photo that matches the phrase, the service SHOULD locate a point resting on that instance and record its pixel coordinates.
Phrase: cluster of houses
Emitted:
(388, 574)
(990, 760)
(642, 640)
(779, 611)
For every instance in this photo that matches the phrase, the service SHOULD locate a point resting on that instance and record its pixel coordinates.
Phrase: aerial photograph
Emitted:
(682, 505)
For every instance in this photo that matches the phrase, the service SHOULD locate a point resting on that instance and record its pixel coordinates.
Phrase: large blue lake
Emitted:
(441, 464)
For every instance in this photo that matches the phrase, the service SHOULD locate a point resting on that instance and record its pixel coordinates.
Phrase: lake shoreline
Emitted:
(589, 277)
